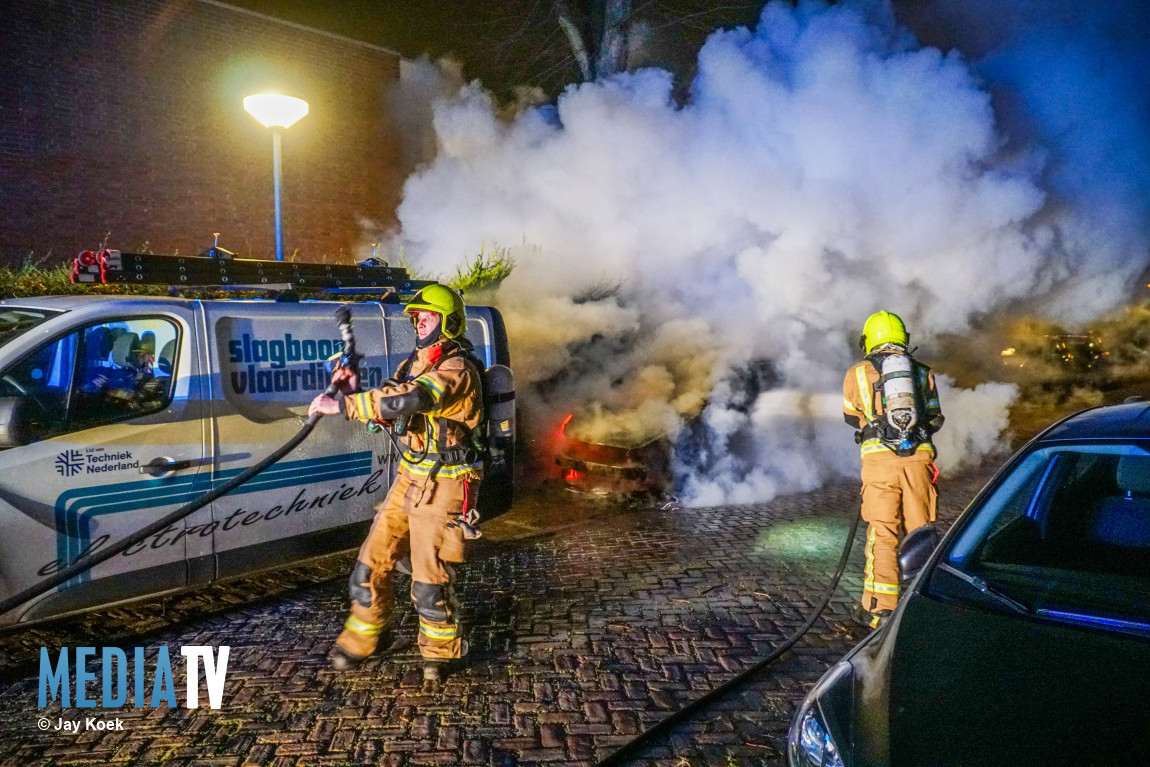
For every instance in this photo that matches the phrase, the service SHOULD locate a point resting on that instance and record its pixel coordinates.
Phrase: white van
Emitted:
(116, 410)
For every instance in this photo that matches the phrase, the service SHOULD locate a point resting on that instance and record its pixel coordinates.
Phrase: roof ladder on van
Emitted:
(109, 267)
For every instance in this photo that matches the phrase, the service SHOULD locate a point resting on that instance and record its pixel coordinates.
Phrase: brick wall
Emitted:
(121, 121)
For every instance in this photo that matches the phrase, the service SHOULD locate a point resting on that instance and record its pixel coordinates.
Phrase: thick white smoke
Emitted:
(728, 250)
(1072, 83)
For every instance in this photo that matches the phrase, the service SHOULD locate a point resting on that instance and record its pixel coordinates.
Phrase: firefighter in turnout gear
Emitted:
(432, 406)
(891, 399)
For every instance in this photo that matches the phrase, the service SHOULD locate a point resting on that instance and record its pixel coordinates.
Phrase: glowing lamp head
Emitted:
(274, 110)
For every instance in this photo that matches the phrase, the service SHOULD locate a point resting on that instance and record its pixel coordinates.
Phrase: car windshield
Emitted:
(15, 321)
(1065, 536)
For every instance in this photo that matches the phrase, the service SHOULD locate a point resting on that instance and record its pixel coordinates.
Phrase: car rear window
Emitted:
(1067, 532)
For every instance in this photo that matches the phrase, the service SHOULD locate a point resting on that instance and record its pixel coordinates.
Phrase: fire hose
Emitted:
(620, 755)
(349, 359)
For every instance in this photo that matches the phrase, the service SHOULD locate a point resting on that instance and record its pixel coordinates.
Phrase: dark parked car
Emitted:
(1023, 636)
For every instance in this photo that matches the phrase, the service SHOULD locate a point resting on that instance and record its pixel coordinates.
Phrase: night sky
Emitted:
(519, 42)
(505, 44)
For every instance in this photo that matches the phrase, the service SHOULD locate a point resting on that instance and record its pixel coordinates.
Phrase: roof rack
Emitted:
(108, 267)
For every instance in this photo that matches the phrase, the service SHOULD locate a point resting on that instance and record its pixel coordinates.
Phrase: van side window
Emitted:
(125, 368)
(400, 340)
(101, 374)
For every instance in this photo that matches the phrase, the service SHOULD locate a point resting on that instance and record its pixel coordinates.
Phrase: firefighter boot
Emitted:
(868, 619)
(357, 641)
(433, 668)
(342, 660)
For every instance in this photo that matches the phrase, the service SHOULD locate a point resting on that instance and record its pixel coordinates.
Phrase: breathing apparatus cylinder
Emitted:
(898, 394)
(499, 403)
(500, 395)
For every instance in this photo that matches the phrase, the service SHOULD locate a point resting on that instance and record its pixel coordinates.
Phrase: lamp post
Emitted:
(276, 112)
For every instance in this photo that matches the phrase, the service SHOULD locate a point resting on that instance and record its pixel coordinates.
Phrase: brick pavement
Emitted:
(582, 634)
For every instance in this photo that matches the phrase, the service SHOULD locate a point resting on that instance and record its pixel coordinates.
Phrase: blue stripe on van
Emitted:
(74, 509)
(137, 495)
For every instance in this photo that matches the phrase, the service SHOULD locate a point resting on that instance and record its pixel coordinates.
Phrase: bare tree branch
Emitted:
(575, 38)
(612, 56)
(688, 19)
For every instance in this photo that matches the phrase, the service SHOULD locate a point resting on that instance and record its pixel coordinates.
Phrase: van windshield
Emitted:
(15, 321)
(1066, 536)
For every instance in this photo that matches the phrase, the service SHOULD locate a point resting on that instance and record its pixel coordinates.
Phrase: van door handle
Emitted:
(158, 466)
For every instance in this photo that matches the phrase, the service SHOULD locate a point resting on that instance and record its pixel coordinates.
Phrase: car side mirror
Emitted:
(915, 551)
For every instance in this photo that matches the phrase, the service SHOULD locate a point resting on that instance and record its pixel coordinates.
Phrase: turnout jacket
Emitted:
(441, 395)
(863, 406)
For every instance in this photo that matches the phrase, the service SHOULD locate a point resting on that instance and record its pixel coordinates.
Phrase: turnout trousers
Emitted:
(412, 521)
(898, 495)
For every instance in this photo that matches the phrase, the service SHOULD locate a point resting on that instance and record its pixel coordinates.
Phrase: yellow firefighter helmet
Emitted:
(446, 303)
(883, 328)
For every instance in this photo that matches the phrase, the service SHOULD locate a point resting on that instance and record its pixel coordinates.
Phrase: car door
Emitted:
(268, 364)
(116, 416)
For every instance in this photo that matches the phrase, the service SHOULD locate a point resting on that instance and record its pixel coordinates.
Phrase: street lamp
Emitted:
(276, 112)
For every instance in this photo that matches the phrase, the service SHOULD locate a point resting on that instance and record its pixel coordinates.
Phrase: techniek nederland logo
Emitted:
(69, 463)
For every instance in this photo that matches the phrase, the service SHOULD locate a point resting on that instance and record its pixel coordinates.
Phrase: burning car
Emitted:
(619, 461)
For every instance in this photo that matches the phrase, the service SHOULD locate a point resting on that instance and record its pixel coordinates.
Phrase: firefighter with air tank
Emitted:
(891, 399)
(434, 407)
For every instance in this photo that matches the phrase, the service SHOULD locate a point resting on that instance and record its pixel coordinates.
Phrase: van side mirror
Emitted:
(15, 425)
(915, 551)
